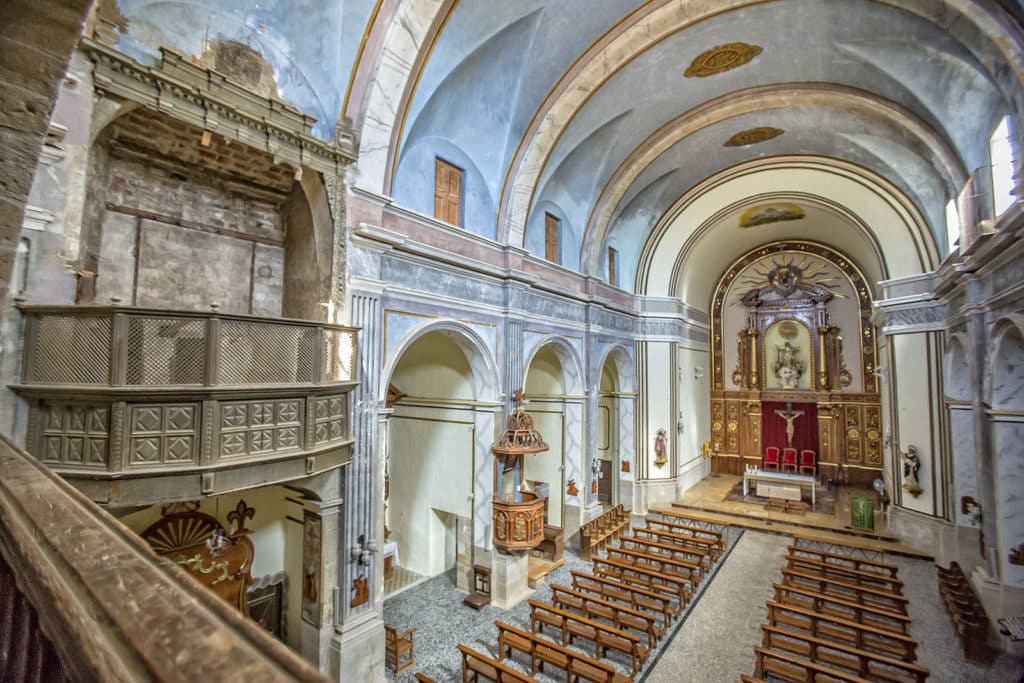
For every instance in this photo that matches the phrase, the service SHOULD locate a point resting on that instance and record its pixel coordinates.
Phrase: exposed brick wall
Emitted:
(36, 40)
(153, 134)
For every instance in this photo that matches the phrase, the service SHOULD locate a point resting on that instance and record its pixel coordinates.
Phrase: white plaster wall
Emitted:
(911, 374)
(547, 466)
(431, 472)
(694, 407)
(659, 384)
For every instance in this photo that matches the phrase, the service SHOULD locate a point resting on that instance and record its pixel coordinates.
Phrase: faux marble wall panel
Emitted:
(965, 466)
(1010, 496)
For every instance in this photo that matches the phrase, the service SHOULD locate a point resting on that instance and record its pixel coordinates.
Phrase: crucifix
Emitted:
(790, 416)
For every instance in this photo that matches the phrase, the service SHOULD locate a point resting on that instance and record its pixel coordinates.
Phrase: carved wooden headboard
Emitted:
(197, 542)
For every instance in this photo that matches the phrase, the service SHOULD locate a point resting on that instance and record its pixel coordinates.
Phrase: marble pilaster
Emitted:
(1009, 435)
(484, 434)
(317, 626)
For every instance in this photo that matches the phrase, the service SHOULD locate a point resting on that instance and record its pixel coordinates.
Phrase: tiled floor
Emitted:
(435, 609)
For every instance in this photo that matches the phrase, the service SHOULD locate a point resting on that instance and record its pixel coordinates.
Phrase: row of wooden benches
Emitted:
(838, 618)
(624, 606)
(966, 610)
(596, 533)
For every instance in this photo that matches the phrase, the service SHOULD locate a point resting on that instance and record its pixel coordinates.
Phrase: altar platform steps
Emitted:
(878, 543)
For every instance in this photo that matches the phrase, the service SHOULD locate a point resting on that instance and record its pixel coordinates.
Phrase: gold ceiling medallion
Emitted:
(721, 58)
(752, 136)
(763, 214)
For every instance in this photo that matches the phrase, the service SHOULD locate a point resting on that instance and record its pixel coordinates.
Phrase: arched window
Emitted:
(952, 226)
(1001, 156)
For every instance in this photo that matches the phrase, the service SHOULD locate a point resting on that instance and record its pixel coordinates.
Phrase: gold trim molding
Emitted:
(753, 136)
(721, 58)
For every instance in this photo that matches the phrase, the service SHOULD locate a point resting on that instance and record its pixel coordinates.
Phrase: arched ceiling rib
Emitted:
(582, 65)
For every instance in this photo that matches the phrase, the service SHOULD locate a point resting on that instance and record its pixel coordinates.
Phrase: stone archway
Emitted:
(439, 427)
(1007, 423)
(43, 34)
(553, 382)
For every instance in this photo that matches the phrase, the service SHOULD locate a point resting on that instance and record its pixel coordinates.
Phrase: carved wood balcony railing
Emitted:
(120, 397)
(82, 598)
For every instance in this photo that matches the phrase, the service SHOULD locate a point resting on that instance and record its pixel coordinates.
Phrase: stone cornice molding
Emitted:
(208, 99)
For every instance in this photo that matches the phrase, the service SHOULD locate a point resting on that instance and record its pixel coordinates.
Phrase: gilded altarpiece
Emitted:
(791, 324)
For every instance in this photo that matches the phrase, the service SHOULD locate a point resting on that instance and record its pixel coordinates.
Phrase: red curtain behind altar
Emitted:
(805, 428)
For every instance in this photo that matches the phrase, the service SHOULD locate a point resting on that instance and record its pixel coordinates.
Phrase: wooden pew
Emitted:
(598, 608)
(866, 664)
(423, 678)
(850, 547)
(703, 544)
(541, 651)
(858, 563)
(792, 668)
(644, 577)
(695, 519)
(477, 666)
(720, 539)
(744, 678)
(693, 554)
(608, 526)
(966, 611)
(574, 625)
(864, 595)
(682, 569)
(848, 574)
(628, 594)
(809, 599)
(861, 636)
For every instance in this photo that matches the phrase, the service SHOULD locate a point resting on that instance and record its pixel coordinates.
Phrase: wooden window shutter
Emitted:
(550, 238)
(447, 192)
(613, 275)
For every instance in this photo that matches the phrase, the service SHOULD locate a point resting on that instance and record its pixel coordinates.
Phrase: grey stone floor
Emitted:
(714, 640)
(716, 643)
(435, 608)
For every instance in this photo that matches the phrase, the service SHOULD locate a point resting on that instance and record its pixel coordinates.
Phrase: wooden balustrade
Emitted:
(105, 606)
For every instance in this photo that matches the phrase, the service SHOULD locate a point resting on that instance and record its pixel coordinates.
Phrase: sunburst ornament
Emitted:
(787, 278)
(721, 58)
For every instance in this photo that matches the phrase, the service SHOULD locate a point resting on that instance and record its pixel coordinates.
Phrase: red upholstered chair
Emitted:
(808, 461)
(788, 459)
(771, 458)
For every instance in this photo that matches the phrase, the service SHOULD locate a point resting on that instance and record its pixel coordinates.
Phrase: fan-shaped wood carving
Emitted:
(180, 530)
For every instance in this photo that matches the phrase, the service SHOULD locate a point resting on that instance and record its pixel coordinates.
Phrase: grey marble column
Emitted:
(358, 647)
(318, 615)
(512, 359)
(984, 445)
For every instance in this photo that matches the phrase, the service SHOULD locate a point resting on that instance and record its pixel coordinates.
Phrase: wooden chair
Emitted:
(481, 594)
(809, 461)
(398, 649)
(788, 459)
(771, 458)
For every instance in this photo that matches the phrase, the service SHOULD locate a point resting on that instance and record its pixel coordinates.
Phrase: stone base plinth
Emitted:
(509, 573)
(357, 650)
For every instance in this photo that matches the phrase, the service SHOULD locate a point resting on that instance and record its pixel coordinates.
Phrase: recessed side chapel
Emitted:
(442, 340)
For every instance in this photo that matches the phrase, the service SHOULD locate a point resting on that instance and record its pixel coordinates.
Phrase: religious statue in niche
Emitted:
(911, 466)
(661, 447)
(787, 367)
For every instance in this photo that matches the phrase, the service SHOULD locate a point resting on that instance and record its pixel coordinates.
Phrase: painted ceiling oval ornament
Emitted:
(721, 58)
(752, 136)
